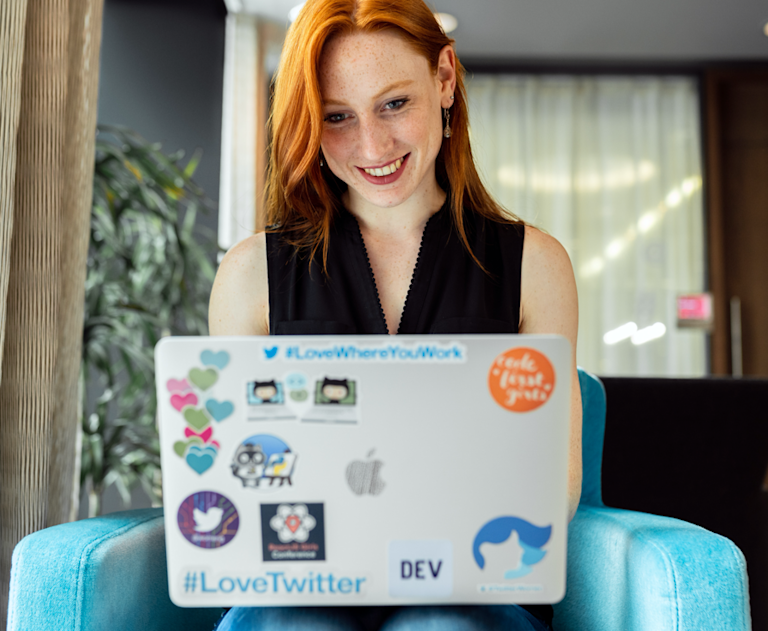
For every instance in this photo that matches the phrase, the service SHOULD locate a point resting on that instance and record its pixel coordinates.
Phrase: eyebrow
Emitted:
(389, 88)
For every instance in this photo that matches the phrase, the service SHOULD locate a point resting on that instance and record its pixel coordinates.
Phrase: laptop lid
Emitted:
(364, 470)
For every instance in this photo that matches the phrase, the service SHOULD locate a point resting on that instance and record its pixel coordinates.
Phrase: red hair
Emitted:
(302, 199)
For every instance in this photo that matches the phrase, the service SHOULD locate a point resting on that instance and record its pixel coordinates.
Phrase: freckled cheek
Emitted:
(336, 146)
(421, 134)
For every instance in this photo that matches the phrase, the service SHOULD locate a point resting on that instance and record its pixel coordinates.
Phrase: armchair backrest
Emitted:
(593, 431)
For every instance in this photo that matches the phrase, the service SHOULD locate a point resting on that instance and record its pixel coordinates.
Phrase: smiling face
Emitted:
(382, 109)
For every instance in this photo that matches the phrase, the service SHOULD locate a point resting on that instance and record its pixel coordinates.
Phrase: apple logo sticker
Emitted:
(363, 477)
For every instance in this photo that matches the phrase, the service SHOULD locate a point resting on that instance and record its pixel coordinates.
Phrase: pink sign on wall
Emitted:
(695, 310)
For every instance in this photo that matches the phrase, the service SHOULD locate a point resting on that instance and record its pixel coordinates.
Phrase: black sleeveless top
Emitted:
(449, 293)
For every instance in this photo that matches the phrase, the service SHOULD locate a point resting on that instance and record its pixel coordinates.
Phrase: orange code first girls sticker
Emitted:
(521, 379)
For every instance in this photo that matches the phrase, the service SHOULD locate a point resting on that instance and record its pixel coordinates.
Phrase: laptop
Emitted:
(364, 470)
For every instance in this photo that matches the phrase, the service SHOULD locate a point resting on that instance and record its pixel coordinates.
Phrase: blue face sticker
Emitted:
(296, 381)
(531, 539)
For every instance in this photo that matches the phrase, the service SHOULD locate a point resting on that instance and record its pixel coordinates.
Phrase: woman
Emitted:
(380, 224)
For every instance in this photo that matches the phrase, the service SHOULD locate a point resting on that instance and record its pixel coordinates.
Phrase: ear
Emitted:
(446, 75)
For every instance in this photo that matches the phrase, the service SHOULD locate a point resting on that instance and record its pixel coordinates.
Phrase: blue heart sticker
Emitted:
(219, 409)
(200, 459)
(220, 359)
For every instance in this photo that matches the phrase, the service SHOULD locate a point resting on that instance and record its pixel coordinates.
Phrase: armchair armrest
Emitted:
(96, 574)
(631, 571)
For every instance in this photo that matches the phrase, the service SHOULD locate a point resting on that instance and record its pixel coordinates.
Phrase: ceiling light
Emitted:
(649, 333)
(648, 220)
(689, 185)
(765, 29)
(294, 12)
(614, 248)
(447, 21)
(620, 333)
(592, 267)
(673, 199)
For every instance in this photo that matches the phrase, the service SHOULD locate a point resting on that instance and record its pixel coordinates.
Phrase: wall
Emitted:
(162, 67)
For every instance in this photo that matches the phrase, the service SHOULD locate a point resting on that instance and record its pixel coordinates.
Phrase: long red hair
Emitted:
(302, 198)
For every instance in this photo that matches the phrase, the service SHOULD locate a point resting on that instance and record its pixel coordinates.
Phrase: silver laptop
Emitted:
(364, 470)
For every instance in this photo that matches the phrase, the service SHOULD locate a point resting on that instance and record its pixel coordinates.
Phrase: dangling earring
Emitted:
(322, 164)
(447, 117)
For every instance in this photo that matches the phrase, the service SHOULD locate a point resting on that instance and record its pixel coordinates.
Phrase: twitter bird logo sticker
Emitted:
(207, 519)
(270, 353)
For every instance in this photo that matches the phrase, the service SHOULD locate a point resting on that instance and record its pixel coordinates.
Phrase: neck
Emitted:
(410, 216)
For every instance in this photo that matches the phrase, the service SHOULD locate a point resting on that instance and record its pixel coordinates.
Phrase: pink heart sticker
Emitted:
(206, 435)
(177, 385)
(179, 401)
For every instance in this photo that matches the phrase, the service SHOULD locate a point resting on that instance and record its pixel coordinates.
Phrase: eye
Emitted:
(395, 105)
(335, 118)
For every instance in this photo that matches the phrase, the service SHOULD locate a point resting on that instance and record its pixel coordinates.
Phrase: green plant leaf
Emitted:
(149, 271)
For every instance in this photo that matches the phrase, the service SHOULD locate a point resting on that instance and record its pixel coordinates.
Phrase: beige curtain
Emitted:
(611, 167)
(49, 55)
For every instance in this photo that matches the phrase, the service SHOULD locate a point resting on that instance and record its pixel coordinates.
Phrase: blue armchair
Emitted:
(627, 571)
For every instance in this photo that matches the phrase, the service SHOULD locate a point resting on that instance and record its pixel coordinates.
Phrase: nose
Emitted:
(376, 140)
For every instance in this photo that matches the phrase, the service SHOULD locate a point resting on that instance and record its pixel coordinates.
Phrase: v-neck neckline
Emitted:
(414, 274)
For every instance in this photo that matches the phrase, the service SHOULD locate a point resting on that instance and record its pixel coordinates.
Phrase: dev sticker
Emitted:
(421, 568)
(521, 379)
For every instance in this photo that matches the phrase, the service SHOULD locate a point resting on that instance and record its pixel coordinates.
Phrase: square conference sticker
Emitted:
(293, 532)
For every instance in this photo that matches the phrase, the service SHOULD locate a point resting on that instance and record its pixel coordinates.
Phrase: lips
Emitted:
(386, 173)
(387, 169)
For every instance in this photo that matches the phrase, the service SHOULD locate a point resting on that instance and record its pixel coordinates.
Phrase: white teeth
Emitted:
(386, 170)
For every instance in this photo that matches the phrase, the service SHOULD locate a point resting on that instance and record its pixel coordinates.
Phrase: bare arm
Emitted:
(549, 304)
(239, 302)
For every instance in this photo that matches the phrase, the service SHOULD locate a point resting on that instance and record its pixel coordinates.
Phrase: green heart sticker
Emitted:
(196, 418)
(203, 379)
(180, 447)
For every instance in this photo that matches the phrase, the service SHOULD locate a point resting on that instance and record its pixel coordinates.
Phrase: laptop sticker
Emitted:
(335, 401)
(521, 379)
(420, 568)
(507, 548)
(219, 360)
(264, 462)
(177, 385)
(296, 383)
(363, 476)
(266, 401)
(293, 532)
(208, 519)
(192, 398)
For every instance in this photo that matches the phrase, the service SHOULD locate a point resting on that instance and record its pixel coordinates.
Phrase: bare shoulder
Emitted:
(544, 254)
(549, 302)
(240, 297)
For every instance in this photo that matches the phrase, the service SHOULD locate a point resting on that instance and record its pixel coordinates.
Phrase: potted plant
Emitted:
(150, 272)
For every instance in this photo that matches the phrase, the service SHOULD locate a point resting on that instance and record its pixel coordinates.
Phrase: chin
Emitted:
(384, 199)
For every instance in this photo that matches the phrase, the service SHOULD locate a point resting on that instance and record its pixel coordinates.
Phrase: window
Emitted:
(611, 167)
